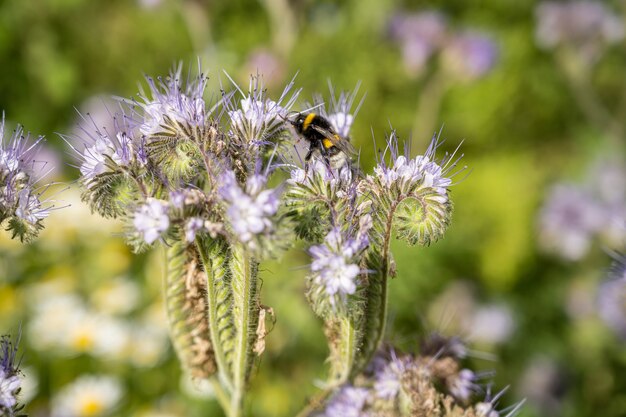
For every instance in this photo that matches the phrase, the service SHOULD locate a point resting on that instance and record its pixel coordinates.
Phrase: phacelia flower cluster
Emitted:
(404, 173)
(427, 383)
(22, 207)
(466, 54)
(258, 118)
(334, 266)
(249, 210)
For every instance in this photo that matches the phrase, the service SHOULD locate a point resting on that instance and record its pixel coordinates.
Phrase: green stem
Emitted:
(209, 254)
(428, 108)
(221, 395)
(245, 313)
(342, 337)
(375, 317)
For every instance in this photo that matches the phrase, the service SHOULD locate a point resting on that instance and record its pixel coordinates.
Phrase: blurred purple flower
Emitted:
(586, 26)
(389, 380)
(264, 61)
(470, 55)
(348, 402)
(463, 385)
(612, 298)
(420, 36)
(568, 221)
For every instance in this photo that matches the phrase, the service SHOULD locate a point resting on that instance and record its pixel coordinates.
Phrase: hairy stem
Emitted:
(245, 313)
(375, 317)
(213, 255)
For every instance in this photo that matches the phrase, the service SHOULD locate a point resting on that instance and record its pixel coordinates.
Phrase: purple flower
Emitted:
(249, 210)
(151, 220)
(405, 172)
(334, 266)
(348, 402)
(170, 104)
(463, 384)
(193, 226)
(470, 55)
(257, 118)
(388, 381)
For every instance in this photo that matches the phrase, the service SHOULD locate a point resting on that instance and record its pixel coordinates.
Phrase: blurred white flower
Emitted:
(87, 396)
(147, 344)
(118, 296)
(491, 324)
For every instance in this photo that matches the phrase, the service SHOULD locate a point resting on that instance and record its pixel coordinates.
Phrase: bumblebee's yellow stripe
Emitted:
(308, 121)
(327, 143)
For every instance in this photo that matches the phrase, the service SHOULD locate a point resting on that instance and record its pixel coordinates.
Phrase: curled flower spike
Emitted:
(21, 207)
(108, 158)
(414, 191)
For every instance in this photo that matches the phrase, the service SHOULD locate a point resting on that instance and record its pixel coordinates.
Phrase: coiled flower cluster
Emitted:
(22, 207)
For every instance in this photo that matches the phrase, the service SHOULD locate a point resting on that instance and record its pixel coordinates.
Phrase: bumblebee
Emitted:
(323, 140)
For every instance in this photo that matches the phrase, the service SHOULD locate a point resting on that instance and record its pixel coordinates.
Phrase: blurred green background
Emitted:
(536, 117)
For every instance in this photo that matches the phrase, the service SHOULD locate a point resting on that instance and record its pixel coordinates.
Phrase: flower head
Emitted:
(388, 380)
(335, 267)
(405, 173)
(151, 219)
(257, 119)
(250, 210)
(170, 105)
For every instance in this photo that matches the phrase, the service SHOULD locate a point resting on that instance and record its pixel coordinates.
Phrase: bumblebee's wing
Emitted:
(344, 145)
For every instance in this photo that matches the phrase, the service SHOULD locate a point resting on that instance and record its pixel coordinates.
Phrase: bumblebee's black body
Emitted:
(322, 138)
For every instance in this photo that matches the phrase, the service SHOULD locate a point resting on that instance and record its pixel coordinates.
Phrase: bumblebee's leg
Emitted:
(324, 152)
(307, 160)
